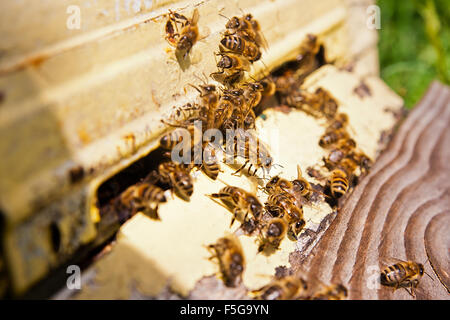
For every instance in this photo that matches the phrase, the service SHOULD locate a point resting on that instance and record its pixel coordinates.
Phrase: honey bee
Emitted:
(272, 234)
(210, 165)
(143, 197)
(230, 256)
(185, 39)
(277, 182)
(253, 94)
(269, 87)
(238, 201)
(258, 35)
(169, 140)
(402, 275)
(331, 137)
(185, 115)
(237, 44)
(248, 146)
(301, 185)
(282, 205)
(231, 68)
(339, 182)
(332, 292)
(209, 98)
(177, 177)
(339, 122)
(285, 288)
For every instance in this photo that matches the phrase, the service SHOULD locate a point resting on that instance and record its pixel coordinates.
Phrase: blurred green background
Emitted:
(414, 45)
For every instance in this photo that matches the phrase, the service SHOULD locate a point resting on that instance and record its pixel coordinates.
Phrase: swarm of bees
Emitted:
(235, 105)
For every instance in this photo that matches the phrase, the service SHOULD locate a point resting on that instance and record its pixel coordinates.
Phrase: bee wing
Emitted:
(387, 261)
(195, 17)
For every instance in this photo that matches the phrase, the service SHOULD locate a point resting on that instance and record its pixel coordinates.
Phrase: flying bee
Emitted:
(245, 144)
(403, 274)
(230, 256)
(238, 201)
(331, 137)
(210, 165)
(282, 205)
(184, 39)
(339, 182)
(178, 177)
(143, 197)
(285, 288)
(332, 292)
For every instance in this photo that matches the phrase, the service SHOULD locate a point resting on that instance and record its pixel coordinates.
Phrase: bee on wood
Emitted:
(332, 292)
(238, 201)
(178, 177)
(339, 183)
(184, 39)
(143, 197)
(285, 288)
(247, 145)
(272, 234)
(230, 256)
(403, 274)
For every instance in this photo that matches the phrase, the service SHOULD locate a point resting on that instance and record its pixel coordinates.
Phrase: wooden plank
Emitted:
(400, 210)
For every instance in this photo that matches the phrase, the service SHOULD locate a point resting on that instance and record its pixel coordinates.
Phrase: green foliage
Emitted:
(414, 45)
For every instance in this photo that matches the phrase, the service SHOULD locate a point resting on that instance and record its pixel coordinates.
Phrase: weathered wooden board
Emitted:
(400, 210)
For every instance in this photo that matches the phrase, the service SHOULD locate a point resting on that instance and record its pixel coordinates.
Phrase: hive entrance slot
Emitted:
(110, 190)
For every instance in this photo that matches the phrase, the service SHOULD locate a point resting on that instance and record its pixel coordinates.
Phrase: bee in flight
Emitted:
(230, 256)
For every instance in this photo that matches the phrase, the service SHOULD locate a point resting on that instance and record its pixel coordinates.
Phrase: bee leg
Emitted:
(235, 173)
(249, 168)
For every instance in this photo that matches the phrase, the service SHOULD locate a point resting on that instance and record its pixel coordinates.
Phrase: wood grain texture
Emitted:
(400, 210)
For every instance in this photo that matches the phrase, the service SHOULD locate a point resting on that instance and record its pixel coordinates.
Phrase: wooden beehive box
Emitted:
(72, 98)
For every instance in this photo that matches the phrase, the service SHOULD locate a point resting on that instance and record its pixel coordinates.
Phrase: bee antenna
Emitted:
(223, 16)
(277, 165)
(195, 87)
